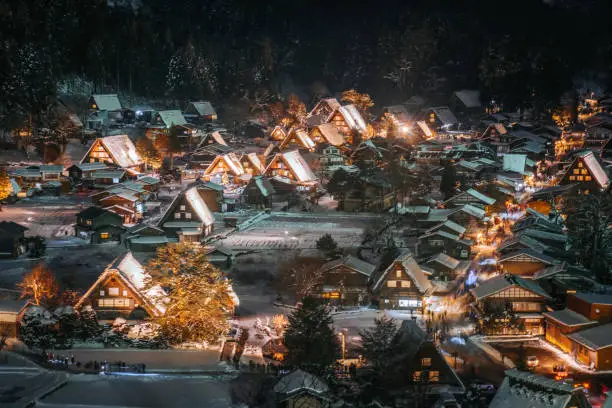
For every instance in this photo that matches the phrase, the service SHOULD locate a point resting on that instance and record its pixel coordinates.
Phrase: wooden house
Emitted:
(85, 171)
(469, 171)
(212, 194)
(302, 389)
(349, 122)
(594, 306)
(124, 203)
(525, 262)
(200, 111)
(226, 169)
(203, 156)
(145, 238)
(164, 121)
(327, 133)
(107, 178)
(291, 168)
(188, 218)
(402, 285)
(345, 281)
(253, 164)
(561, 323)
(331, 159)
(212, 138)
(367, 155)
(99, 225)
(121, 291)
(522, 297)
(473, 197)
(469, 216)
(524, 389)
(447, 226)
(586, 171)
(593, 347)
(279, 133)
(297, 138)
(11, 239)
(116, 150)
(325, 107)
(466, 102)
(419, 367)
(445, 266)
(442, 241)
(12, 309)
(104, 110)
(259, 193)
(441, 118)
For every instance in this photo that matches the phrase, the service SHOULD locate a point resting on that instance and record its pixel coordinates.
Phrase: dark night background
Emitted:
(520, 52)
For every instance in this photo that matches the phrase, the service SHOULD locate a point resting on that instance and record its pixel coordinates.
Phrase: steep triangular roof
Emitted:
(120, 148)
(351, 262)
(172, 118)
(299, 136)
(215, 136)
(203, 108)
(411, 268)
(296, 164)
(197, 204)
(594, 167)
(230, 161)
(502, 282)
(353, 118)
(107, 102)
(331, 134)
(131, 272)
(255, 161)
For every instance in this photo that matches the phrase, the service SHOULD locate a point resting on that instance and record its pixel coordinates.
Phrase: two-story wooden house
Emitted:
(441, 241)
(402, 285)
(345, 281)
(98, 225)
(118, 151)
(525, 262)
(327, 133)
(297, 138)
(226, 169)
(121, 291)
(291, 168)
(188, 218)
(509, 293)
(586, 171)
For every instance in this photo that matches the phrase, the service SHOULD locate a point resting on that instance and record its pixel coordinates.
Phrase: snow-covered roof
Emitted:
(302, 136)
(595, 169)
(255, 161)
(353, 118)
(232, 162)
(108, 102)
(332, 104)
(445, 260)
(51, 168)
(568, 317)
(136, 278)
(470, 165)
(411, 268)
(91, 166)
(300, 380)
(529, 253)
(469, 98)
(351, 262)
(445, 115)
(596, 338)
(172, 118)
(479, 196)
(204, 108)
(298, 166)
(199, 206)
(523, 389)
(111, 174)
(473, 211)
(121, 150)
(331, 134)
(425, 128)
(499, 283)
(265, 187)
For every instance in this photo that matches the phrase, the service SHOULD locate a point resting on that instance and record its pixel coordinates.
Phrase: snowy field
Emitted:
(301, 231)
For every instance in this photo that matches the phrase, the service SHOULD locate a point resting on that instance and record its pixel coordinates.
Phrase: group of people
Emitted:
(60, 359)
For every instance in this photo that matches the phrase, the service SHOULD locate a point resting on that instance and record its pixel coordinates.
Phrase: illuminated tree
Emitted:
(279, 322)
(39, 285)
(6, 187)
(362, 101)
(198, 297)
(296, 110)
(150, 155)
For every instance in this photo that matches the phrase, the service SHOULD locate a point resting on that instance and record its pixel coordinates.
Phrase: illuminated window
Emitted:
(588, 178)
(398, 273)
(89, 222)
(125, 293)
(188, 216)
(405, 284)
(416, 376)
(572, 178)
(426, 362)
(182, 208)
(580, 178)
(434, 376)
(177, 216)
(579, 164)
(584, 171)
(104, 235)
(576, 171)
(392, 284)
(113, 291)
(101, 293)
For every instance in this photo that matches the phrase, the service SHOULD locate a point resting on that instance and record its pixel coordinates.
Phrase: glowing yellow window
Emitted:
(391, 284)
(579, 164)
(405, 284)
(588, 178)
(584, 171)
(576, 171)
(104, 235)
(572, 178)
(398, 273)
(580, 178)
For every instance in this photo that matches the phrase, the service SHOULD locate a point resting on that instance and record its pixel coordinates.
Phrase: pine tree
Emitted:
(198, 296)
(378, 346)
(310, 339)
(89, 327)
(327, 244)
(6, 187)
(37, 329)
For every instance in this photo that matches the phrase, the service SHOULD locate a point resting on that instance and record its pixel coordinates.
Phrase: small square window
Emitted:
(576, 171)
(182, 208)
(434, 376)
(113, 291)
(416, 376)
(405, 284)
(426, 362)
(398, 273)
(391, 284)
(125, 293)
(101, 293)
(587, 178)
(177, 216)
(188, 216)
(104, 235)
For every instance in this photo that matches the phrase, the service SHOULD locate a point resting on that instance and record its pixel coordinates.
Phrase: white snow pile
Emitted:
(144, 331)
(40, 315)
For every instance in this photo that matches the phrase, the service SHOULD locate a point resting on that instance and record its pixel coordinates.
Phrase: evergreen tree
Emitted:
(310, 339)
(37, 329)
(378, 348)
(68, 325)
(89, 327)
(327, 245)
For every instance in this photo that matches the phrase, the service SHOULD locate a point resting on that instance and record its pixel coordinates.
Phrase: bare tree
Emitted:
(300, 276)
